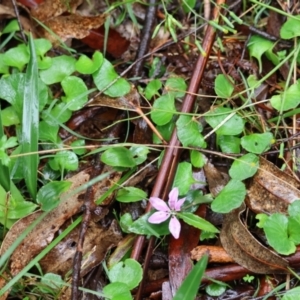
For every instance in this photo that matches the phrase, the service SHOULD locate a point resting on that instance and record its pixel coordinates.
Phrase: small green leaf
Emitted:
(257, 142)
(9, 116)
(166, 132)
(17, 57)
(85, 65)
(215, 289)
(163, 109)
(62, 66)
(190, 285)
(276, 230)
(293, 229)
(231, 197)
(223, 87)
(197, 159)
(12, 26)
(48, 195)
(244, 167)
(4, 69)
(188, 5)
(188, 132)
(229, 143)
(176, 86)
(152, 88)
(130, 194)
(48, 133)
(233, 126)
(292, 294)
(291, 28)
(65, 160)
(58, 114)
(129, 272)
(118, 157)
(79, 143)
(197, 221)
(105, 76)
(183, 177)
(52, 281)
(294, 209)
(42, 46)
(139, 154)
(75, 91)
(117, 291)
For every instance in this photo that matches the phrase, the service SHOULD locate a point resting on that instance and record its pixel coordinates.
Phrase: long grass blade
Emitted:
(30, 123)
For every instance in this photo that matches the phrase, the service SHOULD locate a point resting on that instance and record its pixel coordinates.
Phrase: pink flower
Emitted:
(165, 211)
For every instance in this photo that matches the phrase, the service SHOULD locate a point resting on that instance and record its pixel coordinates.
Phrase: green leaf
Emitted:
(176, 86)
(12, 26)
(129, 272)
(117, 291)
(197, 221)
(52, 281)
(9, 116)
(257, 142)
(294, 209)
(30, 123)
(257, 47)
(152, 88)
(139, 154)
(229, 143)
(276, 230)
(17, 57)
(293, 229)
(288, 100)
(183, 177)
(48, 195)
(231, 197)
(42, 46)
(163, 109)
(291, 28)
(79, 143)
(190, 286)
(85, 65)
(188, 5)
(197, 159)
(4, 69)
(105, 76)
(62, 66)
(223, 87)
(58, 114)
(188, 132)
(233, 126)
(292, 294)
(75, 91)
(48, 133)
(130, 194)
(215, 289)
(64, 160)
(166, 132)
(118, 157)
(244, 167)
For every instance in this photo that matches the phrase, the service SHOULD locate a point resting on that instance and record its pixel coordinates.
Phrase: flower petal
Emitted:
(158, 217)
(159, 204)
(179, 203)
(173, 197)
(175, 227)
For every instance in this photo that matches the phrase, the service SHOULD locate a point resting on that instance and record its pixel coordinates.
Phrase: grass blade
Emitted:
(30, 123)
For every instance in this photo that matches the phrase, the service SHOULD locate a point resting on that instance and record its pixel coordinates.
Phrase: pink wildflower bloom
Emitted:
(166, 211)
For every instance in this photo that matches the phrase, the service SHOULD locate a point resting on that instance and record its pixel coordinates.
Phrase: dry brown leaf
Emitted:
(245, 249)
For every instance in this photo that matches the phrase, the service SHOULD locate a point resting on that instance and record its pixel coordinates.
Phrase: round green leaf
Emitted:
(215, 289)
(117, 291)
(166, 132)
(163, 109)
(244, 167)
(229, 143)
(129, 272)
(176, 86)
(17, 57)
(291, 28)
(233, 126)
(12, 26)
(118, 157)
(130, 194)
(183, 178)
(62, 66)
(139, 154)
(223, 87)
(85, 65)
(197, 159)
(42, 46)
(79, 143)
(9, 116)
(65, 160)
(231, 197)
(47, 132)
(152, 88)
(276, 230)
(75, 91)
(257, 142)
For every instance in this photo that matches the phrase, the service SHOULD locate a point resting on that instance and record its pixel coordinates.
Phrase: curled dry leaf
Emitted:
(271, 189)
(245, 249)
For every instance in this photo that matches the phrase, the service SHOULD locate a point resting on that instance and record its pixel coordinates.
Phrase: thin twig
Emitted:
(19, 21)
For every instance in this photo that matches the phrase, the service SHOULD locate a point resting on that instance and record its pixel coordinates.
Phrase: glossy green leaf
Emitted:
(104, 78)
(130, 194)
(12, 26)
(229, 143)
(215, 289)
(48, 133)
(176, 86)
(257, 142)
(166, 132)
(17, 57)
(276, 230)
(58, 114)
(244, 167)
(118, 157)
(139, 154)
(4, 68)
(293, 229)
(294, 209)
(197, 221)
(188, 5)
(232, 126)
(42, 46)
(288, 100)
(117, 291)
(190, 286)
(85, 65)
(197, 159)
(48, 196)
(76, 92)
(183, 177)
(231, 197)
(64, 160)
(291, 28)
(9, 116)
(62, 66)
(30, 123)
(163, 109)
(129, 272)
(188, 132)
(223, 87)
(292, 294)
(80, 144)
(152, 88)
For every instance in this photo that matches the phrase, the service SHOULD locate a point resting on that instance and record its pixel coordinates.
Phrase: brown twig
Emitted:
(19, 21)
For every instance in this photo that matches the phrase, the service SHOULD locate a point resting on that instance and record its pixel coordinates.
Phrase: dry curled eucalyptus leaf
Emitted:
(245, 249)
